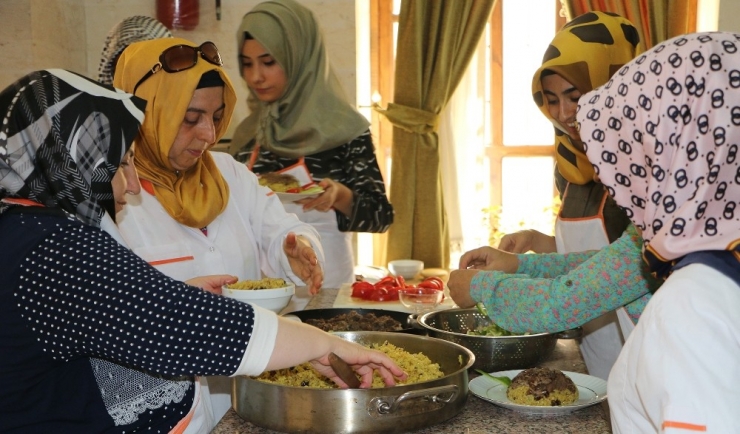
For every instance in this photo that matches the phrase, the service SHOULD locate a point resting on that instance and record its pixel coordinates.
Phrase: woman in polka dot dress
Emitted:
(663, 136)
(92, 338)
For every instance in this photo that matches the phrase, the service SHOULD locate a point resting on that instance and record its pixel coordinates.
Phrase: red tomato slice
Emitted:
(362, 289)
(433, 282)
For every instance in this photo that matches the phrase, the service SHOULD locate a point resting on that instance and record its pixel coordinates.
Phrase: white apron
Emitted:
(678, 371)
(602, 340)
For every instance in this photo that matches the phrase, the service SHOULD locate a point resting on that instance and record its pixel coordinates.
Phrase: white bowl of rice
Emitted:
(270, 293)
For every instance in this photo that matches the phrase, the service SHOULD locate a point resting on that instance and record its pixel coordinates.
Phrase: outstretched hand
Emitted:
(303, 261)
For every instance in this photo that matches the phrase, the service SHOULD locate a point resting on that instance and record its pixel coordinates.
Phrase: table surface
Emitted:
(479, 416)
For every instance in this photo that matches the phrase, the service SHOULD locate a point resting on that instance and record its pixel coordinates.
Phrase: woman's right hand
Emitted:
(364, 362)
(528, 240)
(297, 343)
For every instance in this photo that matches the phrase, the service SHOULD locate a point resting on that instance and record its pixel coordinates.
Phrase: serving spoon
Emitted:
(344, 371)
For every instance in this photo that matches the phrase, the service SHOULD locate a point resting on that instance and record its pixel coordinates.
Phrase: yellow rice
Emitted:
(418, 367)
(521, 395)
(266, 283)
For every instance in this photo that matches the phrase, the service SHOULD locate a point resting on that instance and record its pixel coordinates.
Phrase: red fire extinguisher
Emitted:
(178, 14)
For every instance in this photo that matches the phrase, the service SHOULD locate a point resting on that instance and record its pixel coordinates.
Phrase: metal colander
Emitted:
(492, 353)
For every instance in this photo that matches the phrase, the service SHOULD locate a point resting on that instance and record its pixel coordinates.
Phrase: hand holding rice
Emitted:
(418, 367)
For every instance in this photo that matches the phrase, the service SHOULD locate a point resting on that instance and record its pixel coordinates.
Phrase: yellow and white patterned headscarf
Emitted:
(585, 52)
(197, 196)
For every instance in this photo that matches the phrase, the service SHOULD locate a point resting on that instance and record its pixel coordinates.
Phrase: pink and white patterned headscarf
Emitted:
(663, 136)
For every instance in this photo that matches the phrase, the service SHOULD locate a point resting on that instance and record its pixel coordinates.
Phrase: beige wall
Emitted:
(729, 10)
(38, 34)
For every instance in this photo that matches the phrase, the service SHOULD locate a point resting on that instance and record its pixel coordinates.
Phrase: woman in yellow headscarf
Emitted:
(584, 55)
(201, 212)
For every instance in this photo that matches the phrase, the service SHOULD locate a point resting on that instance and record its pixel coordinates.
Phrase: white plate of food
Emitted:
(591, 391)
(306, 193)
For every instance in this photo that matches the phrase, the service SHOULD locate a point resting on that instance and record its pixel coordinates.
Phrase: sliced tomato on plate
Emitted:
(362, 289)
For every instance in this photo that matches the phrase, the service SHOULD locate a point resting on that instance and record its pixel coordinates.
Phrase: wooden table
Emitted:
(479, 416)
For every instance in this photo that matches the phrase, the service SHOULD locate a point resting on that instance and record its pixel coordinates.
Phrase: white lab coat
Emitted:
(680, 367)
(602, 339)
(245, 240)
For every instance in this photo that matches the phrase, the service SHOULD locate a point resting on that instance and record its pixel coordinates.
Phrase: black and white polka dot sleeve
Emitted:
(86, 295)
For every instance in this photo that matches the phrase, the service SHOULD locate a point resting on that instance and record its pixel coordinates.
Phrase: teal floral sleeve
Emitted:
(554, 292)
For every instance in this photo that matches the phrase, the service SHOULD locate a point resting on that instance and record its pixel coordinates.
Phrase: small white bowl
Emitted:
(274, 299)
(406, 268)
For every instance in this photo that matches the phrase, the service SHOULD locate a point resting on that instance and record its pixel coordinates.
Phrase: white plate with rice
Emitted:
(591, 390)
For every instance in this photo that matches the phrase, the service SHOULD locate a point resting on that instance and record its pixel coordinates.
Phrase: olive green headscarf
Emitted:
(585, 52)
(314, 114)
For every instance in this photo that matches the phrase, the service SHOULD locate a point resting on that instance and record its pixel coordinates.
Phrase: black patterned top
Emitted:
(353, 164)
(72, 297)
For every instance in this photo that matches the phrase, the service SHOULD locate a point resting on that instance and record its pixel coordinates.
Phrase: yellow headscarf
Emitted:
(585, 52)
(194, 197)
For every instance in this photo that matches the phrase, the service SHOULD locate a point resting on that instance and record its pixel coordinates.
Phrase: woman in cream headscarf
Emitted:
(129, 30)
(201, 212)
(663, 136)
(301, 119)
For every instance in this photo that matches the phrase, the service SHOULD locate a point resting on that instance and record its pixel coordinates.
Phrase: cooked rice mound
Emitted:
(542, 387)
(266, 283)
(418, 367)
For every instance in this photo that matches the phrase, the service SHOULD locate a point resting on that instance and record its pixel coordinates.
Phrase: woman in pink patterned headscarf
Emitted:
(663, 136)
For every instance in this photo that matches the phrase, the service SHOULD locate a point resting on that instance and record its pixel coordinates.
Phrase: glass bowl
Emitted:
(420, 300)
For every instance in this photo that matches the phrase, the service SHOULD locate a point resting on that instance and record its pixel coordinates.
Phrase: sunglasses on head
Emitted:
(181, 57)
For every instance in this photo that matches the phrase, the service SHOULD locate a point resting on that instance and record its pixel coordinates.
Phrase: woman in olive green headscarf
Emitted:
(301, 119)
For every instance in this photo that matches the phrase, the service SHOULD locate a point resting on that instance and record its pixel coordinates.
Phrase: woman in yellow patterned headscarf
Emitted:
(585, 52)
(201, 212)
(583, 55)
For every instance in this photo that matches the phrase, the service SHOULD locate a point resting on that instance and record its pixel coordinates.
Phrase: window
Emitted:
(516, 159)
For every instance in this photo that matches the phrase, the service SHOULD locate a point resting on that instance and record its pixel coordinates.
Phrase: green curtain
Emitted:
(436, 40)
(656, 20)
